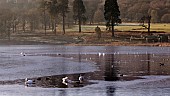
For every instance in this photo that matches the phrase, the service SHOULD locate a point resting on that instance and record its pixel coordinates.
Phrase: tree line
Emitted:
(133, 10)
(47, 14)
(39, 14)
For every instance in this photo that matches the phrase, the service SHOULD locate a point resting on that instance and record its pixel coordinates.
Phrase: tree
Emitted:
(63, 6)
(79, 11)
(154, 15)
(165, 18)
(98, 16)
(43, 8)
(52, 7)
(111, 13)
(91, 7)
(32, 19)
(6, 22)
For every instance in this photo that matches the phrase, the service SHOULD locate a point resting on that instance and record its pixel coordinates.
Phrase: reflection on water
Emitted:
(111, 67)
(114, 66)
(47, 65)
(110, 90)
(113, 63)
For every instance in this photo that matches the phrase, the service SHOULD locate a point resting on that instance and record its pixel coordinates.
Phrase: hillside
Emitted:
(133, 10)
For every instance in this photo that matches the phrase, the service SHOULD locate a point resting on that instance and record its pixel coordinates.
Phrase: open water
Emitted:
(145, 70)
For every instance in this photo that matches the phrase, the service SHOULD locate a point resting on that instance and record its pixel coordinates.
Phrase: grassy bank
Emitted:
(162, 27)
(124, 36)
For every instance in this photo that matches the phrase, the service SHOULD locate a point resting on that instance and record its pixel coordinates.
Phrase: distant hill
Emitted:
(133, 10)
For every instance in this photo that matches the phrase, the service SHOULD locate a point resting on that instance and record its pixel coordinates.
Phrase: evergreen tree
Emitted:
(79, 12)
(111, 14)
(63, 6)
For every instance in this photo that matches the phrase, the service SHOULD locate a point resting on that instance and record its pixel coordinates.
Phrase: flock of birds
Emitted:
(65, 81)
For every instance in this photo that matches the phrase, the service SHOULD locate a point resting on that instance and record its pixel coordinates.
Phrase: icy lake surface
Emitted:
(151, 63)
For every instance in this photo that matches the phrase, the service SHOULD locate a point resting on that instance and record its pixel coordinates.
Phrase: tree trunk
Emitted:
(15, 27)
(113, 28)
(63, 23)
(149, 24)
(91, 19)
(52, 24)
(79, 25)
(23, 25)
(45, 25)
(9, 34)
(55, 23)
(79, 17)
(31, 26)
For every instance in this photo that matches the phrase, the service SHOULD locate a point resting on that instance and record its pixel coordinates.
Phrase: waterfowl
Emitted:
(47, 78)
(161, 64)
(100, 54)
(120, 75)
(29, 81)
(81, 79)
(103, 54)
(23, 54)
(66, 80)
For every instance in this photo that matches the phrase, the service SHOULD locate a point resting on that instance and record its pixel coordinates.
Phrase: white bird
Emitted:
(66, 81)
(120, 75)
(81, 79)
(100, 54)
(23, 54)
(29, 82)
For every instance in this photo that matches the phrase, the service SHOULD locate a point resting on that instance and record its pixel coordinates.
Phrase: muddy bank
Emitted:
(82, 39)
(56, 80)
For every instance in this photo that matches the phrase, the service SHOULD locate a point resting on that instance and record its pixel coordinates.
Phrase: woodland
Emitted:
(31, 15)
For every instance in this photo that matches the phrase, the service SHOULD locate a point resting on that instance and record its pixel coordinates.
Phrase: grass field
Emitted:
(128, 27)
(89, 37)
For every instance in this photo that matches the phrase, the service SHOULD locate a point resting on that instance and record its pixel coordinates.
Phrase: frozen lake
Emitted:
(100, 64)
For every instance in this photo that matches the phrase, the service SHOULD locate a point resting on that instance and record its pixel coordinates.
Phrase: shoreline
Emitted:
(6, 42)
(84, 39)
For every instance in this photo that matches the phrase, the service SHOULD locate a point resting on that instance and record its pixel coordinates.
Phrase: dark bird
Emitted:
(161, 64)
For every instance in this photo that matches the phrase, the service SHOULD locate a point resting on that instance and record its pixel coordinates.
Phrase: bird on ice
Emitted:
(66, 81)
(23, 54)
(81, 79)
(29, 82)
